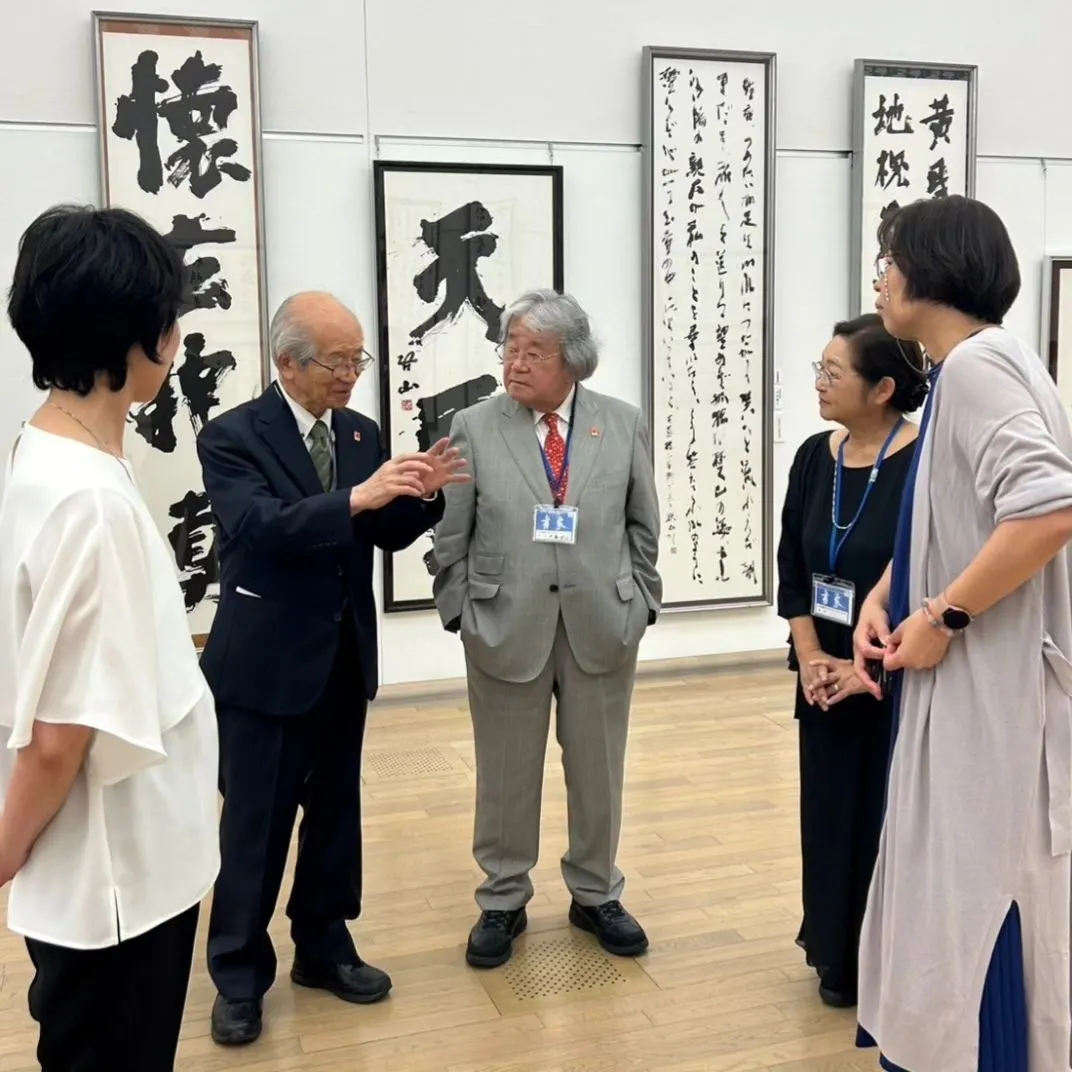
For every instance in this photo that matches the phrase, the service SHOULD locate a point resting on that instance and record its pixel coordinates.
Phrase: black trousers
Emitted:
(117, 1009)
(269, 767)
(844, 755)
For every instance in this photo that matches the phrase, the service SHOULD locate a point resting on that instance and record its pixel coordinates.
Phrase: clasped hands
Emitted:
(418, 475)
(826, 680)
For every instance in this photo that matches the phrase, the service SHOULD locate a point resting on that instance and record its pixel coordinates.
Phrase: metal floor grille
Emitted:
(402, 764)
(557, 967)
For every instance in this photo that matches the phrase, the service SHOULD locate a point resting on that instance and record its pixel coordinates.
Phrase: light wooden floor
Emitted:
(710, 850)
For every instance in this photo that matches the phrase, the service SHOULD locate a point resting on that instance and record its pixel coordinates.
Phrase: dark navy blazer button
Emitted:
(554, 588)
(338, 616)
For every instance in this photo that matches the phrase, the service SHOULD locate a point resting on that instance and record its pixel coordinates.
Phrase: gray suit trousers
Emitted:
(510, 729)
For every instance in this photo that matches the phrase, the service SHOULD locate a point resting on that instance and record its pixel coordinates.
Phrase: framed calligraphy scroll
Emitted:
(709, 145)
(180, 144)
(455, 245)
(914, 137)
(1057, 324)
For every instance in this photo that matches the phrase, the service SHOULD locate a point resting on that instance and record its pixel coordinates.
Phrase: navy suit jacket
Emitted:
(291, 556)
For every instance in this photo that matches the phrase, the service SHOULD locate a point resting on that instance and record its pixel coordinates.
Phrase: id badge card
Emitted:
(833, 599)
(555, 524)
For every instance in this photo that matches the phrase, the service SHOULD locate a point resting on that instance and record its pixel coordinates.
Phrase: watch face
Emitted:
(956, 619)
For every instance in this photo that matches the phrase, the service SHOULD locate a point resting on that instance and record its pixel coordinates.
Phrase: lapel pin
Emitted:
(595, 431)
(357, 437)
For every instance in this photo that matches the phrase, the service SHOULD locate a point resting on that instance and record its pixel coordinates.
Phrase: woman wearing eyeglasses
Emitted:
(964, 953)
(838, 521)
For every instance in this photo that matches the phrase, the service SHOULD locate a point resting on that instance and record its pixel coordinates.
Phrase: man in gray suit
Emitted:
(546, 566)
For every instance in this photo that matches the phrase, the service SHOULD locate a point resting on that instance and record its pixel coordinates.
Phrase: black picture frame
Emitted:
(473, 182)
(1057, 285)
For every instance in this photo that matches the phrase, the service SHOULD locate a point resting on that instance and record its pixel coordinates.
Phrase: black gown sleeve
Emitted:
(794, 580)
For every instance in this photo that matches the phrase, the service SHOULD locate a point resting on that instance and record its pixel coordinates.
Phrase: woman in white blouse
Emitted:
(108, 829)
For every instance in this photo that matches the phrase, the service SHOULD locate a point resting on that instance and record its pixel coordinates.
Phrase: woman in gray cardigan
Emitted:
(964, 956)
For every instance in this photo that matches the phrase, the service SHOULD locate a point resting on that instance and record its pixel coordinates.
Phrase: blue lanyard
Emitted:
(557, 482)
(836, 544)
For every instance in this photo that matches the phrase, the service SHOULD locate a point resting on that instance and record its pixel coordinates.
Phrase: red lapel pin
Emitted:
(595, 431)
(357, 437)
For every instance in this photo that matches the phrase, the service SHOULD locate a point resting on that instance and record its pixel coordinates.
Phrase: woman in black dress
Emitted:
(838, 525)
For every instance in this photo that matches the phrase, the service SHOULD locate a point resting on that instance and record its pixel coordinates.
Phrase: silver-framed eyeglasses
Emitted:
(882, 265)
(823, 374)
(342, 367)
(509, 352)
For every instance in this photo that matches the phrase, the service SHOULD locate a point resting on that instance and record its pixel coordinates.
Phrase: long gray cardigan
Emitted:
(980, 796)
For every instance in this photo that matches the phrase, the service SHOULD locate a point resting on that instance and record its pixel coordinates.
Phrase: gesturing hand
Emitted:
(404, 475)
(446, 464)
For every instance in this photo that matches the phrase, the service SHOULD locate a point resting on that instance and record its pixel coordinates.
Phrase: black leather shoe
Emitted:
(837, 989)
(491, 941)
(360, 984)
(236, 1023)
(837, 999)
(616, 930)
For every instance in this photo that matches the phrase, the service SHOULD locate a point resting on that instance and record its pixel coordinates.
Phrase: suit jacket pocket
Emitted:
(626, 589)
(483, 589)
(489, 565)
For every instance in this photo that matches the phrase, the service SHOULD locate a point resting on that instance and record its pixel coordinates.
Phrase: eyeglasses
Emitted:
(341, 368)
(514, 353)
(824, 374)
(882, 265)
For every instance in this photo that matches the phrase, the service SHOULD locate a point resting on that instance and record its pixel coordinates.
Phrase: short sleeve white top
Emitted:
(93, 632)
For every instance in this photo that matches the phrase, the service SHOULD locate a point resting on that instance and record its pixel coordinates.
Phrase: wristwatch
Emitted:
(952, 620)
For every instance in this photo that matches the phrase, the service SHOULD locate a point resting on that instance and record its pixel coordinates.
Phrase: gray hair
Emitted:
(287, 335)
(560, 315)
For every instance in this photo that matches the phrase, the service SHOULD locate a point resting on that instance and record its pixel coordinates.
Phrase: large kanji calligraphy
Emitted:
(180, 142)
(456, 245)
(914, 138)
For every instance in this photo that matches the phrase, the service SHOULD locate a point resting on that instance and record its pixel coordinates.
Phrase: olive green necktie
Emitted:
(320, 449)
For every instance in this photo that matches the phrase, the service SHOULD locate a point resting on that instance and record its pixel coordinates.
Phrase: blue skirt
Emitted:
(1003, 1010)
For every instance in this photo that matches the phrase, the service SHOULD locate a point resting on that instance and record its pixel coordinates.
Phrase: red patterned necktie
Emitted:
(555, 449)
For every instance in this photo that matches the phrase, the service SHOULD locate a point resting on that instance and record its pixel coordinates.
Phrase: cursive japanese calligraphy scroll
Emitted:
(456, 243)
(913, 137)
(179, 126)
(709, 171)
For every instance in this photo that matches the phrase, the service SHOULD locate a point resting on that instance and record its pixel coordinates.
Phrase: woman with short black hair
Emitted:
(837, 536)
(108, 831)
(964, 955)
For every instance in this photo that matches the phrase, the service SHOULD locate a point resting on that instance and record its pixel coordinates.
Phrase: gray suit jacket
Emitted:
(508, 590)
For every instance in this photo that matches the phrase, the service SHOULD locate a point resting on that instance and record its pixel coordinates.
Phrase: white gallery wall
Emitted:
(505, 81)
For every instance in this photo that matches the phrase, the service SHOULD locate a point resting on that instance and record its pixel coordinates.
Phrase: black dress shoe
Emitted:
(236, 1023)
(837, 999)
(360, 983)
(837, 989)
(491, 941)
(616, 930)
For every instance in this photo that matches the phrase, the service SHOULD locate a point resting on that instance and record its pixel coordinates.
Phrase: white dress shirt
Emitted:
(306, 421)
(563, 413)
(94, 633)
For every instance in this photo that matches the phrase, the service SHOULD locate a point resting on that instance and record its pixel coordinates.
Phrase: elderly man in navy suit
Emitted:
(302, 490)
